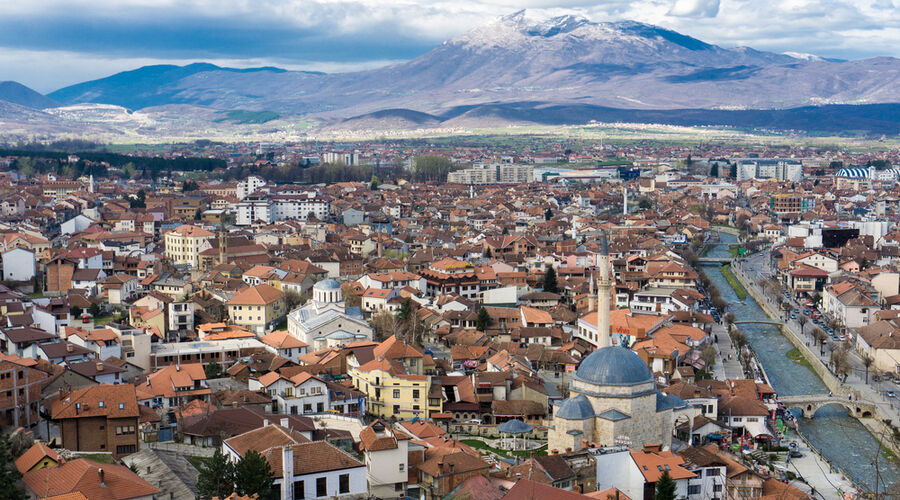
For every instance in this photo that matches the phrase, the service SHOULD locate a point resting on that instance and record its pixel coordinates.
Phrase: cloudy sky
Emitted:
(47, 44)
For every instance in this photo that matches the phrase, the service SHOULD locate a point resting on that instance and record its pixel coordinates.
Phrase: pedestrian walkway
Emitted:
(814, 472)
(725, 368)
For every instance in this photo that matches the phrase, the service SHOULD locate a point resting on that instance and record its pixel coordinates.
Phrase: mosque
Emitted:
(613, 397)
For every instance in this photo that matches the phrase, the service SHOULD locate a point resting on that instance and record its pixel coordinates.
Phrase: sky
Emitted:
(48, 44)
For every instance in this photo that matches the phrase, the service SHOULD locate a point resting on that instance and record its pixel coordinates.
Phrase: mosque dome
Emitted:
(613, 365)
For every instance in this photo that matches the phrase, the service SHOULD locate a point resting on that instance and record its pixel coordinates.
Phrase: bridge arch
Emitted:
(855, 409)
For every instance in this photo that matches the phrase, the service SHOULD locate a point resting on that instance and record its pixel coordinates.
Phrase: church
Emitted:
(326, 321)
(613, 396)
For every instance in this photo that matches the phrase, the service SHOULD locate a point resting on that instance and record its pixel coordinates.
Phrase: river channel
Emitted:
(841, 439)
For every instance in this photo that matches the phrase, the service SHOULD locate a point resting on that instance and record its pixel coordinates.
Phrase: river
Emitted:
(841, 439)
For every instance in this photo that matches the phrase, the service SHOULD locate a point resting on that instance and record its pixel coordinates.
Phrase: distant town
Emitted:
(525, 317)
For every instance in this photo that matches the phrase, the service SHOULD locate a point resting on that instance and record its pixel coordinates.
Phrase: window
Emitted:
(344, 483)
(415, 394)
(402, 467)
(128, 448)
(711, 472)
(321, 486)
(396, 393)
(299, 490)
(717, 488)
(693, 489)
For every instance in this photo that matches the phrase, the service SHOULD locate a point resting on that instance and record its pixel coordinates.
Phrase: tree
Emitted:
(216, 478)
(213, 370)
(25, 166)
(10, 487)
(708, 355)
(802, 320)
(665, 487)
(292, 299)
(867, 362)
(550, 280)
(386, 324)
(351, 299)
(548, 214)
(188, 186)
(94, 310)
(75, 311)
(483, 320)
(729, 320)
(644, 203)
(405, 310)
(139, 201)
(252, 474)
(431, 168)
(739, 338)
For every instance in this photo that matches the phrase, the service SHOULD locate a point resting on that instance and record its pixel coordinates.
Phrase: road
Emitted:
(757, 268)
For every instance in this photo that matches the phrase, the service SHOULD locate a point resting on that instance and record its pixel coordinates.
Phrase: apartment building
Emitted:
(183, 244)
(102, 418)
(20, 394)
(493, 174)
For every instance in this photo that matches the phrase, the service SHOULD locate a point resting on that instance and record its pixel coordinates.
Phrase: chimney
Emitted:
(100, 474)
(652, 448)
(584, 443)
(265, 422)
(287, 472)
(554, 451)
(568, 450)
(178, 367)
(99, 366)
(69, 348)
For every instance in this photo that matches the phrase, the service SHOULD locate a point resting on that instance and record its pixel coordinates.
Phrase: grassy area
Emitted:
(197, 462)
(735, 284)
(243, 116)
(481, 445)
(102, 320)
(102, 458)
(795, 356)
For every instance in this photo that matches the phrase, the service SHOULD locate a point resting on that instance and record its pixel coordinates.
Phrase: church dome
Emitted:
(613, 365)
(327, 291)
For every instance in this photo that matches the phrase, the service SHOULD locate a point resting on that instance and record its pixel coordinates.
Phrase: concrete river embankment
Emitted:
(839, 438)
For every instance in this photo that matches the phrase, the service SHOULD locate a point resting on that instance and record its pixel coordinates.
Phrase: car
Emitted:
(795, 454)
(891, 394)
(876, 378)
(793, 315)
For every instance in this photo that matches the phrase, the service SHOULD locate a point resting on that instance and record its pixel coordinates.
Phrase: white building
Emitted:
(630, 471)
(18, 265)
(385, 453)
(493, 174)
(269, 209)
(326, 321)
(249, 186)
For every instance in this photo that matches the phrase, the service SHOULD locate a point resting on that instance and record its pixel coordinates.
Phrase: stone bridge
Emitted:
(810, 404)
(760, 322)
(715, 260)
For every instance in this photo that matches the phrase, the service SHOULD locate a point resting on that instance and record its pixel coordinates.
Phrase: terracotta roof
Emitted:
(256, 296)
(652, 464)
(83, 476)
(192, 231)
(525, 489)
(263, 438)
(282, 340)
(35, 454)
(313, 457)
(119, 401)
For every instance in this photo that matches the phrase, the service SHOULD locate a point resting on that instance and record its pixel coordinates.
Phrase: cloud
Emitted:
(100, 36)
(695, 8)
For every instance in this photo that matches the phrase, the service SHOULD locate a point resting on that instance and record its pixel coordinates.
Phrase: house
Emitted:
(442, 473)
(18, 265)
(22, 341)
(20, 392)
(881, 342)
(257, 308)
(173, 386)
(120, 288)
(39, 456)
(283, 344)
(551, 469)
(302, 394)
(86, 479)
(849, 304)
(527, 489)
(309, 469)
(711, 473)
(385, 453)
(101, 418)
(182, 244)
(635, 472)
(103, 342)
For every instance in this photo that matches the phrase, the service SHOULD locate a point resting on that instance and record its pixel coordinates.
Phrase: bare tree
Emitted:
(351, 299)
(819, 335)
(729, 320)
(739, 338)
(386, 324)
(803, 320)
(867, 362)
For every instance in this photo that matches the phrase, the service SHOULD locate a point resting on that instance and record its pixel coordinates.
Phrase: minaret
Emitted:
(603, 286)
(591, 295)
(625, 201)
(91, 184)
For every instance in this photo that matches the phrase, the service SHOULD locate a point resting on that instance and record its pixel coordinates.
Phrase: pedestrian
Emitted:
(851, 397)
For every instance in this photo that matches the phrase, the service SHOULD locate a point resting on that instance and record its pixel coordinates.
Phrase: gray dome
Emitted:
(577, 408)
(514, 427)
(327, 284)
(613, 365)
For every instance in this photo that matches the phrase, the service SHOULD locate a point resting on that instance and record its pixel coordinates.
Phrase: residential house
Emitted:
(102, 418)
(258, 308)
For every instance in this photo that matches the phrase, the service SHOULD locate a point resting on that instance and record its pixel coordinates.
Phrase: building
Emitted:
(82, 478)
(182, 244)
(441, 474)
(613, 392)
(386, 456)
(790, 203)
(249, 186)
(769, 168)
(326, 321)
(101, 418)
(635, 472)
(493, 174)
(20, 393)
(18, 265)
(257, 308)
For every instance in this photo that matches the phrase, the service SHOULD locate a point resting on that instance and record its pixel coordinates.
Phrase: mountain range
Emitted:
(517, 69)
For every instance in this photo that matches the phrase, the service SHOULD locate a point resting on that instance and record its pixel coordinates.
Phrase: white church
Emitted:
(326, 321)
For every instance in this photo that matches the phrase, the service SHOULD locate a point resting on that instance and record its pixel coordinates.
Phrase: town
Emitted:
(547, 318)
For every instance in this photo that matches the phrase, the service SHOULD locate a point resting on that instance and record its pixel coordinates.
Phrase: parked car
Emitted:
(891, 394)
(795, 454)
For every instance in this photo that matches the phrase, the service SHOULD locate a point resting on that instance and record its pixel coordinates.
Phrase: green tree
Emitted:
(128, 170)
(75, 311)
(252, 474)
(10, 487)
(548, 214)
(665, 487)
(188, 186)
(483, 320)
(216, 478)
(213, 370)
(431, 168)
(94, 310)
(550, 280)
(25, 166)
(139, 201)
(405, 309)
(374, 184)
(714, 170)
